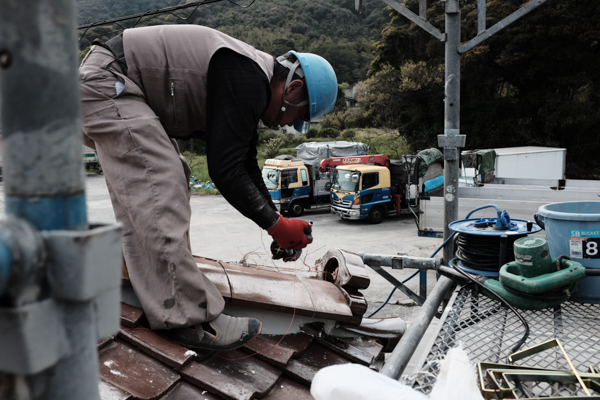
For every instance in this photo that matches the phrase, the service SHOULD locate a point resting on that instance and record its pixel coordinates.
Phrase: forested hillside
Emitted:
(536, 83)
(329, 28)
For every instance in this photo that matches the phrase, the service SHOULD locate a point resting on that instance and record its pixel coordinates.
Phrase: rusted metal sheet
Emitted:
(390, 330)
(134, 372)
(311, 361)
(187, 391)
(268, 290)
(275, 291)
(271, 352)
(297, 342)
(215, 272)
(344, 269)
(328, 301)
(110, 392)
(363, 352)
(131, 316)
(158, 347)
(287, 389)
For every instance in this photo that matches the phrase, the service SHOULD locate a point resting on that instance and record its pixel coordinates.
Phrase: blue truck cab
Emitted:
(361, 192)
(294, 186)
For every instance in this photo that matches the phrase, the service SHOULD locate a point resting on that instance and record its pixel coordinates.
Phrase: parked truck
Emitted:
(90, 159)
(296, 183)
(372, 187)
(516, 179)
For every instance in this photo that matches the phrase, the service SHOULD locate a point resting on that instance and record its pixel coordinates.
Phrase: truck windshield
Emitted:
(271, 177)
(342, 180)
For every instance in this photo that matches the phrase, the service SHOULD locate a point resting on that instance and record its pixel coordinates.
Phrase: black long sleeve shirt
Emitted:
(238, 94)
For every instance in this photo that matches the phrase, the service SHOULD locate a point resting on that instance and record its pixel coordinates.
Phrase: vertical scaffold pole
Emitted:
(451, 141)
(43, 166)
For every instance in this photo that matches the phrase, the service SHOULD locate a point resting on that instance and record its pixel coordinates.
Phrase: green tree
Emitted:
(534, 83)
(330, 28)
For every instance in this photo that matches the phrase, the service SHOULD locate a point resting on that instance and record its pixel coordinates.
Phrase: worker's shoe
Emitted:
(223, 333)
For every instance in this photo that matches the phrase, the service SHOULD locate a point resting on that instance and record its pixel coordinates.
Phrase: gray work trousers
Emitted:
(148, 182)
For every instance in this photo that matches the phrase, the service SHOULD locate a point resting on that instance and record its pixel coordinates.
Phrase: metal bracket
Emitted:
(484, 34)
(452, 141)
(435, 32)
(384, 274)
(32, 338)
(84, 264)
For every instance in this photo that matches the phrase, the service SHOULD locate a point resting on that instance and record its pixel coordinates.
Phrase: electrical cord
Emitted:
(410, 277)
(523, 339)
(592, 271)
(557, 294)
(483, 252)
(154, 13)
(390, 295)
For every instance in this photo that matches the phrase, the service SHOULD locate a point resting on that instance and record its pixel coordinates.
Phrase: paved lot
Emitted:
(219, 231)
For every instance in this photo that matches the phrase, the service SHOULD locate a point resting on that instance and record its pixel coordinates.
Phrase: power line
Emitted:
(154, 13)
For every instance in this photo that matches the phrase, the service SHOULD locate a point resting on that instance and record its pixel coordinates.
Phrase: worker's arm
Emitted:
(254, 171)
(238, 93)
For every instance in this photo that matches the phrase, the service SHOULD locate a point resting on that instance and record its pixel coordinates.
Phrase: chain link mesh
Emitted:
(488, 331)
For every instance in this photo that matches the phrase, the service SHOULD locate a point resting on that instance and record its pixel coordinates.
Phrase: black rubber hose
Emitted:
(588, 271)
(483, 252)
(523, 339)
(558, 294)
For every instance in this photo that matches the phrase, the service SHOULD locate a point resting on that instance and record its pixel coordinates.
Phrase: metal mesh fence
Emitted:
(488, 331)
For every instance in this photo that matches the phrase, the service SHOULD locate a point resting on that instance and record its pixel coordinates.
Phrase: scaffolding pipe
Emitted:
(401, 262)
(452, 122)
(41, 128)
(398, 360)
(44, 174)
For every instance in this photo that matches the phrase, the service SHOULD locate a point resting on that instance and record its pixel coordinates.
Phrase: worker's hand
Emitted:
(292, 233)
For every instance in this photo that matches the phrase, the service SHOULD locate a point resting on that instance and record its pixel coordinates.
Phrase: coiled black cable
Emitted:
(483, 252)
(523, 339)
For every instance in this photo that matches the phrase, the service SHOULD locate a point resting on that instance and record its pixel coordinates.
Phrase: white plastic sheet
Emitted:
(356, 382)
(457, 380)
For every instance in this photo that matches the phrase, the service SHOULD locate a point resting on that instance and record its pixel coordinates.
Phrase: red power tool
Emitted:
(289, 255)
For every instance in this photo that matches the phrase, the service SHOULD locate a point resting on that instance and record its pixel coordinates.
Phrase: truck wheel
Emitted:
(376, 215)
(296, 209)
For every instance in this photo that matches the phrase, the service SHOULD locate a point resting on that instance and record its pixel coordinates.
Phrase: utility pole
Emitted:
(59, 276)
(452, 140)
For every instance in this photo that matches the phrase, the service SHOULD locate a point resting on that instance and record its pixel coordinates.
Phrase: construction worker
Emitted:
(142, 89)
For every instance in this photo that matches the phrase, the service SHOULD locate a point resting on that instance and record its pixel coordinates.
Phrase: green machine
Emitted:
(499, 254)
(535, 280)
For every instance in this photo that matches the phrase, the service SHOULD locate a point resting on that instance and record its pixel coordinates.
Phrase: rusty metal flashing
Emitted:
(334, 296)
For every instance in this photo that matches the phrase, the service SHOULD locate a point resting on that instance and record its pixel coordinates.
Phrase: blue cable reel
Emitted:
(483, 245)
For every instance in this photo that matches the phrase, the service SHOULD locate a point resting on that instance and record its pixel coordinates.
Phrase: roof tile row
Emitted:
(140, 364)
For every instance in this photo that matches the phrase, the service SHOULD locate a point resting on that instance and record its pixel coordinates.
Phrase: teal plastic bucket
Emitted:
(573, 229)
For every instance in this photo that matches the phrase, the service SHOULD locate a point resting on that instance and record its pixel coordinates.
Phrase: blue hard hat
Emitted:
(321, 84)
